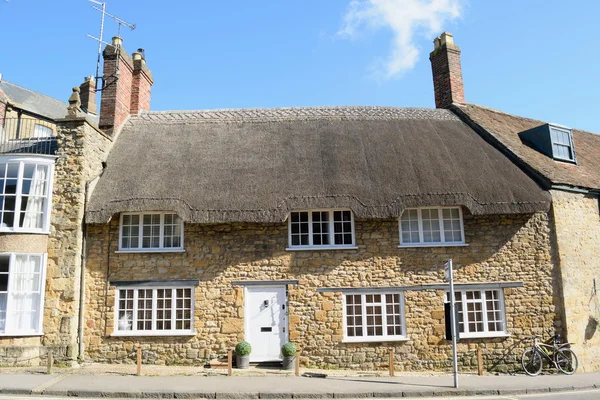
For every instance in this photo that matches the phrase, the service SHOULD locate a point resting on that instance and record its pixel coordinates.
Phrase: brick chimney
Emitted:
(88, 95)
(447, 72)
(141, 84)
(126, 86)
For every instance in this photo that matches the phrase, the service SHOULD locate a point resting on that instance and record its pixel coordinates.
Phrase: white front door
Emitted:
(265, 321)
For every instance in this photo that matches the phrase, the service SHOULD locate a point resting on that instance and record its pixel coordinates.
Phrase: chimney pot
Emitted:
(446, 38)
(117, 41)
(137, 56)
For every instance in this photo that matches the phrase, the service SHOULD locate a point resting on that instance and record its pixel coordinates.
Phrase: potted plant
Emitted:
(242, 355)
(288, 351)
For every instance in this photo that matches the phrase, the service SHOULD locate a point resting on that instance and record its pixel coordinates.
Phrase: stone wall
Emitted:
(81, 150)
(500, 248)
(577, 224)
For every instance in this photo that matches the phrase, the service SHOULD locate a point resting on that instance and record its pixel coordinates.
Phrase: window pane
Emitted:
(374, 313)
(151, 231)
(24, 293)
(125, 310)
(452, 229)
(320, 228)
(353, 315)
(343, 227)
(431, 225)
(299, 227)
(172, 231)
(409, 226)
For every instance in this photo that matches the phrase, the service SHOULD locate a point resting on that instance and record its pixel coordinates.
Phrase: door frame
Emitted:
(274, 285)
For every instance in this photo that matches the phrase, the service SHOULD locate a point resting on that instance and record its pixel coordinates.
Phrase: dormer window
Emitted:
(553, 140)
(562, 143)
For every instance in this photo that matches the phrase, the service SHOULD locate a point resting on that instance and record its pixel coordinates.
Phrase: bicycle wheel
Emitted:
(532, 362)
(566, 361)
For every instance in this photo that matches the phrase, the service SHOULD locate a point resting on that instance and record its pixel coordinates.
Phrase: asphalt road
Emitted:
(579, 395)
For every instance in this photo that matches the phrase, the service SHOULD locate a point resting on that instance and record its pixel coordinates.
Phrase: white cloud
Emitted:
(406, 19)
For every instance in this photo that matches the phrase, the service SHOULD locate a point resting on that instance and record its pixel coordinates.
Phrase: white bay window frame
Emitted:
(442, 242)
(464, 321)
(9, 312)
(154, 311)
(18, 195)
(140, 249)
(331, 231)
(384, 337)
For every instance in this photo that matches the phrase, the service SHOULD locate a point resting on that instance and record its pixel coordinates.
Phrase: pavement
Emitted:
(109, 382)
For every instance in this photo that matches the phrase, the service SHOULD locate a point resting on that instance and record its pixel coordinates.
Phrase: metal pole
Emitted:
(100, 41)
(453, 323)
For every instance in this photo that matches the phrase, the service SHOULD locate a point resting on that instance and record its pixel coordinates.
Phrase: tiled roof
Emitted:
(33, 102)
(505, 128)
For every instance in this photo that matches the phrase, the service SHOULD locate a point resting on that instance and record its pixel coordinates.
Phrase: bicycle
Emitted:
(563, 358)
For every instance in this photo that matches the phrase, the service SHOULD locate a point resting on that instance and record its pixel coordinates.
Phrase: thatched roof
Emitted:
(505, 128)
(256, 165)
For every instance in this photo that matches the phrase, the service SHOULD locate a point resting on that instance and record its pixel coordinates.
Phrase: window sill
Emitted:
(375, 339)
(24, 231)
(313, 248)
(490, 335)
(151, 333)
(150, 251)
(404, 246)
(30, 334)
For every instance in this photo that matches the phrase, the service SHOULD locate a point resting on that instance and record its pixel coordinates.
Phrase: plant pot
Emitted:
(289, 362)
(242, 362)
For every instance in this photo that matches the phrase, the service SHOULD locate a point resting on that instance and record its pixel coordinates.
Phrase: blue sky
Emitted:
(536, 58)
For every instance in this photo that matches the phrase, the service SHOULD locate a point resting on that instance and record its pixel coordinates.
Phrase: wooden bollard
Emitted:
(139, 360)
(297, 363)
(391, 362)
(479, 361)
(229, 362)
(50, 362)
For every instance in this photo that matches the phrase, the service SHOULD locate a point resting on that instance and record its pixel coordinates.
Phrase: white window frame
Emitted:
(570, 146)
(443, 242)
(485, 333)
(42, 287)
(153, 331)
(140, 249)
(383, 338)
(48, 161)
(331, 232)
(41, 131)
